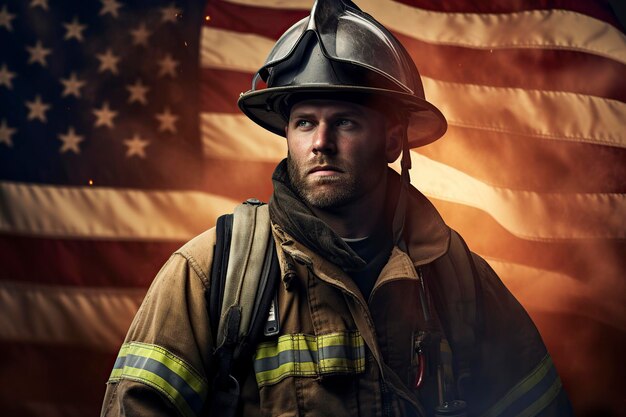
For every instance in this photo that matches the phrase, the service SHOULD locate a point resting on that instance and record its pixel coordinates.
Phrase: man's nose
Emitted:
(324, 140)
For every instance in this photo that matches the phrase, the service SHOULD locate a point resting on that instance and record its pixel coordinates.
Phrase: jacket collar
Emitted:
(426, 235)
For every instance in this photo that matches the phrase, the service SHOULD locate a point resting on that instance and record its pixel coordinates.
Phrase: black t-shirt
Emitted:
(375, 251)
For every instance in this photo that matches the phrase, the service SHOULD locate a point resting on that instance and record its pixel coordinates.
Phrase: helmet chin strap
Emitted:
(405, 179)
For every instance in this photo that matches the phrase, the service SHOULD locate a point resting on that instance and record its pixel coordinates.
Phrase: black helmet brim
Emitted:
(267, 108)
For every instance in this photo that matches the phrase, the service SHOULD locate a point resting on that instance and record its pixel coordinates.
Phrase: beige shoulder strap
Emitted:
(250, 239)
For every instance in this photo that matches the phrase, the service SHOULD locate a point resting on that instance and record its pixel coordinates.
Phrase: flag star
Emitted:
(166, 121)
(74, 30)
(137, 92)
(5, 133)
(6, 18)
(37, 109)
(6, 77)
(140, 35)
(72, 86)
(70, 141)
(108, 61)
(38, 54)
(41, 3)
(170, 13)
(168, 66)
(136, 146)
(110, 6)
(105, 116)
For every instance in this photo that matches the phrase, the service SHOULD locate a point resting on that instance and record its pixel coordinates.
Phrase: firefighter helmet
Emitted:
(340, 52)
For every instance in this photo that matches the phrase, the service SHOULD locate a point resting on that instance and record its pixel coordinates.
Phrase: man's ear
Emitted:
(393, 146)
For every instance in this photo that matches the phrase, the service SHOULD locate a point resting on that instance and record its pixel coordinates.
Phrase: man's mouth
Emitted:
(322, 170)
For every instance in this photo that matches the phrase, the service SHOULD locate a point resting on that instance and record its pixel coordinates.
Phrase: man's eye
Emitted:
(303, 123)
(345, 123)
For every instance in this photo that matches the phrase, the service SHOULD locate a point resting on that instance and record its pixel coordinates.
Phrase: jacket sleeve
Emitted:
(163, 367)
(516, 375)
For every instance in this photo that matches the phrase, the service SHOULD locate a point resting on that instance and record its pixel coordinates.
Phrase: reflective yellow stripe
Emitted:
(160, 369)
(544, 400)
(532, 394)
(308, 355)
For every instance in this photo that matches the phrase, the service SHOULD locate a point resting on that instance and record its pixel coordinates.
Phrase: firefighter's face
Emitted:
(338, 152)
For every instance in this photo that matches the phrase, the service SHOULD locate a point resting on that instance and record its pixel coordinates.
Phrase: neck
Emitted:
(359, 218)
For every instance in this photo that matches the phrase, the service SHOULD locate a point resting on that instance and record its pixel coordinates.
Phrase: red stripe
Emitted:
(262, 21)
(70, 378)
(526, 163)
(82, 262)
(219, 90)
(600, 10)
(527, 68)
(240, 179)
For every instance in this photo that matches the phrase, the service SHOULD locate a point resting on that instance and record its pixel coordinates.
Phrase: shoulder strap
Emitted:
(243, 284)
(456, 295)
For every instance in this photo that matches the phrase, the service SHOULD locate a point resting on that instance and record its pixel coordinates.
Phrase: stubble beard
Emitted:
(327, 192)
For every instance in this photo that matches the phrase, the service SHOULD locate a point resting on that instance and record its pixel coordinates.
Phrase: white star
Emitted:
(37, 109)
(6, 77)
(38, 54)
(166, 121)
(110, 6)
(108, 61)
(41, 3)
(72, 86)
(5, 133)
(137, 92)
(74, 30)
(140, 35)
(105, 116)
(70, 141)
(136, 146)
(5, 18)
(170, 13)
(168, 66)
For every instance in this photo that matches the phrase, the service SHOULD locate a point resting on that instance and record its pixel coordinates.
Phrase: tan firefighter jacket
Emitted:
(337, 354)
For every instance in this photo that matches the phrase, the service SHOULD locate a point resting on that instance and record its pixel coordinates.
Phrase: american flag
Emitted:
(120, 139)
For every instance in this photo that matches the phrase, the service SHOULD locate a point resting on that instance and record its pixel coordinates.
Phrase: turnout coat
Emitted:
(337, 353)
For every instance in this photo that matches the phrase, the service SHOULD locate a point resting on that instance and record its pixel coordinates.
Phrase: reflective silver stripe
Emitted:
(160, 369)
(307, 355)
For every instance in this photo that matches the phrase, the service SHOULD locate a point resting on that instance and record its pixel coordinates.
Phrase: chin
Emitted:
(329, 199)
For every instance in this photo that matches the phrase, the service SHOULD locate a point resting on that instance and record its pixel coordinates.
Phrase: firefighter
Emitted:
(383, 310)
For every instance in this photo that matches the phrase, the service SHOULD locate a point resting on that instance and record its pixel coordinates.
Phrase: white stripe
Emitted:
(526, 214)
(541, 114)
(562, 294)
(264, 145)
(101, 213)
(96, 317)
(550, 29)
(230, 50)
(530, 215)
